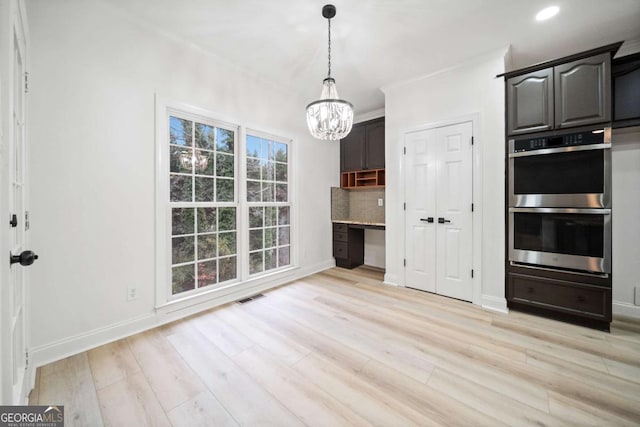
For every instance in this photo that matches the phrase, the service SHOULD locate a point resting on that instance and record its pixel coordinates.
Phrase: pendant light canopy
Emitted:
(329, 118)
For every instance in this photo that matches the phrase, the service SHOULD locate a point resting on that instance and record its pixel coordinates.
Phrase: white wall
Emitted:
(625, 154)
(93, 78)
(470, 89)
(374, 248)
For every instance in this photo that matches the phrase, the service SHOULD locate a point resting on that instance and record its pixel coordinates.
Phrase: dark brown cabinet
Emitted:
(626, 87)
(348, 245)
(363, 148)
(530, 101)
(583, 91)
(569, 94)
(352, 150)
(560, 296)
(576, 91)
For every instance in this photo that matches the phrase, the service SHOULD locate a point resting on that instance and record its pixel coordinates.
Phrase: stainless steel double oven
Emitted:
(560, 201)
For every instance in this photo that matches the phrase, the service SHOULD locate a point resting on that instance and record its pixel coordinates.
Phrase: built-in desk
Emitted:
(348, 241)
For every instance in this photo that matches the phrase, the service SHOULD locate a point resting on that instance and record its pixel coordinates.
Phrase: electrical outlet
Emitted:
(132, 293)
(636, 299)
(380, 202)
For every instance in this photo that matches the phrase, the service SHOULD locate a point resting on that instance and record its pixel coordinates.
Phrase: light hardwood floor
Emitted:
(338, 349)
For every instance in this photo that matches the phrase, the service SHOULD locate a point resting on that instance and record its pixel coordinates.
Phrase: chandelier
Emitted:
(197, 161)
(329, 118)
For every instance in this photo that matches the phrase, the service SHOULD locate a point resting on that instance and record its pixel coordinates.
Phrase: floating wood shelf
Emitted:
(362, 179)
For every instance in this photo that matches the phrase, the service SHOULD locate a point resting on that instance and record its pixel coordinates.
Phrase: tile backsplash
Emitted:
(357, 205)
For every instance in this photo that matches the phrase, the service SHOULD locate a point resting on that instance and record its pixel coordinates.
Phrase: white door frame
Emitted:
(12, 14)
(476, 193)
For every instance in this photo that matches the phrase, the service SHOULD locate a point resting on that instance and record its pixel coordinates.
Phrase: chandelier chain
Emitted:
(329, 75)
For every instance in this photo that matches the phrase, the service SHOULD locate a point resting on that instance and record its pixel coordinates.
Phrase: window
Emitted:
(224, 209)
(202, 177)
(267, 167)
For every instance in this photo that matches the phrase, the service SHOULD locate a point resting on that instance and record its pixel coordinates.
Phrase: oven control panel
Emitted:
(541, 143)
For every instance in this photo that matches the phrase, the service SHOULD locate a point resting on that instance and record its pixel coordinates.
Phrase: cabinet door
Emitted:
(530, 102)
(583, 91)
(374, 148)
(352, 150)
(626, 87)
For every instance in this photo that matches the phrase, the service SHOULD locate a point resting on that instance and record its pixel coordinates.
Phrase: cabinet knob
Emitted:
(581, 298)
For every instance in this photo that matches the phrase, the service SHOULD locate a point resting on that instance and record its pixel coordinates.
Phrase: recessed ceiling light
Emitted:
(547, 13)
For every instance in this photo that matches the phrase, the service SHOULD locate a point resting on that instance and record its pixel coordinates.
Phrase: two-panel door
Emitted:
(438, 234)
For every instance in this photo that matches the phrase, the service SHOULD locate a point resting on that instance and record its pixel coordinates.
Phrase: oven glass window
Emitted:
(568, 234)
(578, 172)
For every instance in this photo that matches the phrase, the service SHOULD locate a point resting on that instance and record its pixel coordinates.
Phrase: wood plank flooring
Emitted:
(339, 348)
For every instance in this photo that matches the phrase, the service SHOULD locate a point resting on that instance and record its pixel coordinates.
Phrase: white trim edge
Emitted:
(370, 115)
(57, 350)
(391, 279)
(495, 304)
(626, 309)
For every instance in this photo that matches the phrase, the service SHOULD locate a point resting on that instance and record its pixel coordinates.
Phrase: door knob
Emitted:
(25, 258)
(429, 219)
(442, 220)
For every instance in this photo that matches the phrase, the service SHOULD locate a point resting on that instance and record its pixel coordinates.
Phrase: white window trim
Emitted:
(164, 300)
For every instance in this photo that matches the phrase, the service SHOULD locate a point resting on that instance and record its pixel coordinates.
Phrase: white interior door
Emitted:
(438, 213)
(14, 316)
(453, 201)
(420, 209)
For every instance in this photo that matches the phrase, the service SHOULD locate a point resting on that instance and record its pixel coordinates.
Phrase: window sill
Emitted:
(190, 304)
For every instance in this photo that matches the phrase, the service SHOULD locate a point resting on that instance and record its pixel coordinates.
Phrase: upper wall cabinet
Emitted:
(568, 92)
(626, 87)
(530, 101)
(363, 148)
(583, 91)
(352, 149)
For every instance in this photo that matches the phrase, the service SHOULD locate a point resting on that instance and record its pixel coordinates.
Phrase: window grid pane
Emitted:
(267, 171)
(203, 238)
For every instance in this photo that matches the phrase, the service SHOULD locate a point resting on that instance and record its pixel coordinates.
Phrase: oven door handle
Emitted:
(561, 150)
(561, 210)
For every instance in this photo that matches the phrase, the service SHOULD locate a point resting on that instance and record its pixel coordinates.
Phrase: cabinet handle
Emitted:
(442, 220)
(581, 298)
(429, 219)
(530, 290)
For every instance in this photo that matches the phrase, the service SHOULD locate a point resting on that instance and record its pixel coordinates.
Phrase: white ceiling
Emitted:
(377, 42)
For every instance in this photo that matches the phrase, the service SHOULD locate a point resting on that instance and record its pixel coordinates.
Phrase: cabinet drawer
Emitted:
(562, 296)
(339, 236)
(338, 226)
(340, 250)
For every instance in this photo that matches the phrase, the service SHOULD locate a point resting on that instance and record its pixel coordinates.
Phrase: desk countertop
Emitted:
(356, 222)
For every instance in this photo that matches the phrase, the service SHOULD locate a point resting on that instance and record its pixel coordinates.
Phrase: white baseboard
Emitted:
(391, 279)
(60, 349)
(626, 309)
(494, 304)
(66, 347)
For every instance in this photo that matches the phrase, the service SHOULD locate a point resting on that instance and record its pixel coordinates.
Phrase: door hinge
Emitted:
(471, 207)
(472, 273)
(26, 357)
(405, 150)
(405, 262)
(26, 82)
(472, 141)
(26, 220)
